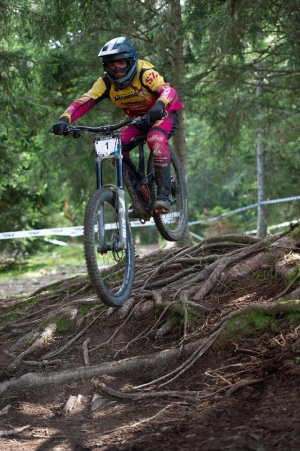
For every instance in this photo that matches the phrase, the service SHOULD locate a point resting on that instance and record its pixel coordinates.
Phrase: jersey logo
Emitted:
(151, 77)
(139, 92)
(127, 96)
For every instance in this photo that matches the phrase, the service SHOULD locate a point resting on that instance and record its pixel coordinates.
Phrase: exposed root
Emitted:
(13, 431)
(113, 335)
(86, 352)
(149, 394)
(240, 384)
(205, 344)
(109, 368)
(196, 290)
(46, 335)
(53, 353)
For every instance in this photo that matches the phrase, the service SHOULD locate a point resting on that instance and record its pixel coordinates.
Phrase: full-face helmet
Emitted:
(119, 49)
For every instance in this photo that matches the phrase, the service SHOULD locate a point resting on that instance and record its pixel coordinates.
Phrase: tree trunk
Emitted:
(180, 135)
(260, 162)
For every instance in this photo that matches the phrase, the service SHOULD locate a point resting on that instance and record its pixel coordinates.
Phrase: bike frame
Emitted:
(120, 239)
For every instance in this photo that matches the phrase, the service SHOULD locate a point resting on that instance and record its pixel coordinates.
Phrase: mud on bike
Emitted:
(108, 242)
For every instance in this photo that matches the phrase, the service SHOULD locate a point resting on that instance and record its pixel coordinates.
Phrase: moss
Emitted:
(248, 323)
(192, 314)
(293, 275)
(23, 304)
(62, 325)
(296, 234)
(297, 358)
(85, 308)
(8, 318)
(156, 311)
(293, 317)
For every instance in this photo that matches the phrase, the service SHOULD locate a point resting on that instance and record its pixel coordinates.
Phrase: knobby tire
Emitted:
(178, 214)
(111, 272)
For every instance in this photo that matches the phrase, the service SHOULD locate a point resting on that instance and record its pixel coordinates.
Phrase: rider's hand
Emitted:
(155, 113)
(60, 128)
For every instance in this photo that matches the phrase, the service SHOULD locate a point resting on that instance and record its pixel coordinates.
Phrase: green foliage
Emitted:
(58, 258)
(49, 57)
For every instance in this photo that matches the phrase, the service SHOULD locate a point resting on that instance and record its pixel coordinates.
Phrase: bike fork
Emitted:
(121, 219)
(121, 200)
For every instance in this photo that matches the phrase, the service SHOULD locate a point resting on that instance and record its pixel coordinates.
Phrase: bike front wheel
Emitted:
(110, 265)
(172, 225)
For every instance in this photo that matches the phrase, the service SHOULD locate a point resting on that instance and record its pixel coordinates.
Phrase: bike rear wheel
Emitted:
(172, 225)
(110, 268)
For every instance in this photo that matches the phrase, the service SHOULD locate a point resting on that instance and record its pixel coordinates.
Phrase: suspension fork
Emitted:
(98, 173)
(120, 199)
(122, 217)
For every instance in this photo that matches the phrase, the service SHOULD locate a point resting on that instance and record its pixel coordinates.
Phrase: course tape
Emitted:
(78, 230)
(64, 231)
(238, 210)
(72, 231)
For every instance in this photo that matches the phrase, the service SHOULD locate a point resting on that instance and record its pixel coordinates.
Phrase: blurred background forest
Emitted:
(235, 64)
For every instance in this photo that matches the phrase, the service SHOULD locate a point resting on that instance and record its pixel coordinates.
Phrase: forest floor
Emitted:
(223, 385)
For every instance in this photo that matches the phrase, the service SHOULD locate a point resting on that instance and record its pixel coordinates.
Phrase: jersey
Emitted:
(135, 99)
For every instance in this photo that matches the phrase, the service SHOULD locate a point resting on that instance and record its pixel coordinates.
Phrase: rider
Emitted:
(135, 86)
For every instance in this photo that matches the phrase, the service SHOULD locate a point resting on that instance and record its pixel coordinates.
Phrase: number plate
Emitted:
(106, 147)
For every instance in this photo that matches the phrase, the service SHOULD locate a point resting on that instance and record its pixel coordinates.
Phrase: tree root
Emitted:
(187, 283)
(54, 353)
(194, 395)
(44, 336)
(147, 363)
(235, 387)
(13, 431)
(224, 263)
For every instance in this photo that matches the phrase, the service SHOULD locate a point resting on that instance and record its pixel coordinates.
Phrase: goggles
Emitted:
(113, 65)
(119, 66)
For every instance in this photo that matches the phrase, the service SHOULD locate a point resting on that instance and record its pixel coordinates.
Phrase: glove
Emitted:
(155, 113)
(60, 128)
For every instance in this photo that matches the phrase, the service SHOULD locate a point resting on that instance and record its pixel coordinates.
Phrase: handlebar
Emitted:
(76, 129)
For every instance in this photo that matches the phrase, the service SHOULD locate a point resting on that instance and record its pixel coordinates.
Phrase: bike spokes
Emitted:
(110, 263)
(172, 224)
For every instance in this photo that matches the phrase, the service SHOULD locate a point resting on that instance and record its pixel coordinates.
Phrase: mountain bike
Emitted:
(108, 241)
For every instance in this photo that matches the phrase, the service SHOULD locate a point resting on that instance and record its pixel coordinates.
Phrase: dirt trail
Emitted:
(241, 394)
